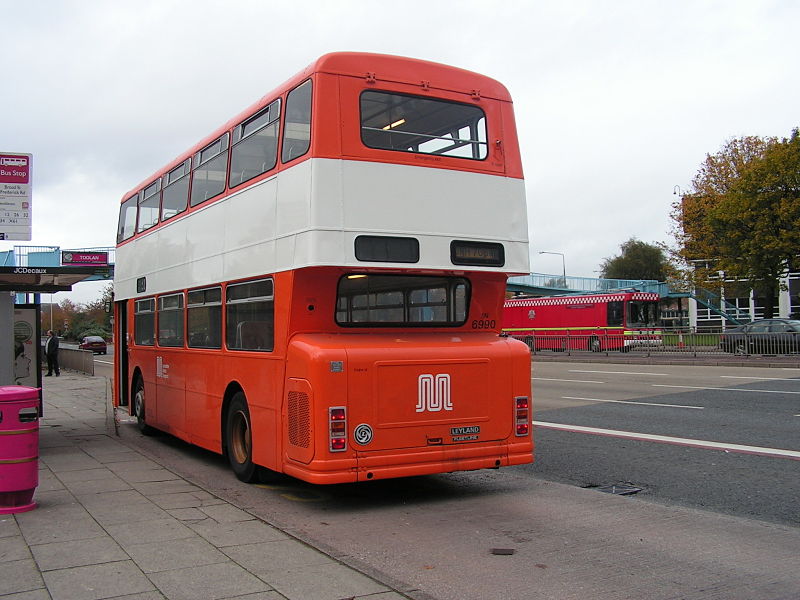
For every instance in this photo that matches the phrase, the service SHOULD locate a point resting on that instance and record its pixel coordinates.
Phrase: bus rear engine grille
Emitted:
(299, 420)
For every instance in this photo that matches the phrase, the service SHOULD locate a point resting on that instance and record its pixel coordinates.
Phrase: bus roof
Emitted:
(383, 67)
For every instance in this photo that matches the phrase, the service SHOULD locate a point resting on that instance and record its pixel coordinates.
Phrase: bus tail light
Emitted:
(522, 416)
(337, 428)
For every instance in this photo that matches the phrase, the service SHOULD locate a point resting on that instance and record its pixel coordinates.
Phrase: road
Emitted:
(750, 412)
(708, 523)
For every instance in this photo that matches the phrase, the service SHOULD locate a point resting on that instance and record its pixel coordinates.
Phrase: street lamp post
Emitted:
(563, 264)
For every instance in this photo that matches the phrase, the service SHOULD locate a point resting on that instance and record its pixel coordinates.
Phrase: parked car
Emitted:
(94, 343)
(764, 336)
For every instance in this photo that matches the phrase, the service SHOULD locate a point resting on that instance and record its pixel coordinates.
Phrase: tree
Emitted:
(75, 321)
(638, 260)
(758, 220)
(744, 219)
(695, 238)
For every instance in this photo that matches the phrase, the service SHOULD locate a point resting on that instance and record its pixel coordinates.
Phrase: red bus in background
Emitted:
(614, 321)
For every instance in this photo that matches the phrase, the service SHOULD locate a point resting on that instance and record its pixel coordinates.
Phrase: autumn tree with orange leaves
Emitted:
(742, 214)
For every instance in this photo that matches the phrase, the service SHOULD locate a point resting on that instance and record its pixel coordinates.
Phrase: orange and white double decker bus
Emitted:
(598, 322)
(316, 288)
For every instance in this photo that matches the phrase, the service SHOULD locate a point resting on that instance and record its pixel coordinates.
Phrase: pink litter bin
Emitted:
(19, 448)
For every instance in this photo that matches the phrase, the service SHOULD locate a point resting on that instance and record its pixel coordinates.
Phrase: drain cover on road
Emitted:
(620, 489)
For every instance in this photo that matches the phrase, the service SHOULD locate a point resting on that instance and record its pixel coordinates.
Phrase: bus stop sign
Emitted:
(15, 196)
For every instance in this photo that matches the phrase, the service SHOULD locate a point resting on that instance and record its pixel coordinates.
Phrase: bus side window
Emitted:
(255, 145)
(170, 320)
(210, 169)
(127, 218)
(297, 128)
(204, 316)
(249, 314)
(615, 312)
(144, 321)
(176, 191)
(149, 206)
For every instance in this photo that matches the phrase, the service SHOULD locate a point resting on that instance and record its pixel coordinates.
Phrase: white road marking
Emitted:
(695, 387)
(632, 402)
(568, 380)
(765, 378)
(104, 362)
(664, 439)
(619, 373)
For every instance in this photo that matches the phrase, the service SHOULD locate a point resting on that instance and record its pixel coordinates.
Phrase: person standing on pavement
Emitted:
(51, 352)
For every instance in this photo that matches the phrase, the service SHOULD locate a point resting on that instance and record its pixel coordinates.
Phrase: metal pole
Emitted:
(563, 264)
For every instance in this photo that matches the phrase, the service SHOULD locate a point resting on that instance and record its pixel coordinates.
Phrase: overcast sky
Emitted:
(617, 102)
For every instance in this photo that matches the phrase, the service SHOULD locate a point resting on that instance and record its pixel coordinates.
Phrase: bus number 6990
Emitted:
(484, 324)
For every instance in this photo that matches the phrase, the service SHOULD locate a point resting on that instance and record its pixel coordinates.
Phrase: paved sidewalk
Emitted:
(112, 523)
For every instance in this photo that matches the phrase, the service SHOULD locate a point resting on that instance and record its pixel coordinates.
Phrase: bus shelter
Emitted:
(20, 328)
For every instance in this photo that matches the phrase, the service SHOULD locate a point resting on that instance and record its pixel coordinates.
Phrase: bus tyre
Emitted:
(239, 439)
(594, 344)
(139, 408)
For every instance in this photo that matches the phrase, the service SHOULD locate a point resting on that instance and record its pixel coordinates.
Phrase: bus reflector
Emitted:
(522, 416)
(337, 428)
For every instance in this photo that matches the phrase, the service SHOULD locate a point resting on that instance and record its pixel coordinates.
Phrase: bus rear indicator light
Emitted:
(522, 416)
(337, 429)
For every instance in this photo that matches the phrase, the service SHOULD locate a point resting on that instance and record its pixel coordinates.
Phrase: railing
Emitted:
(74, 359)
(721, 307)
(679, 342)
(588, 285)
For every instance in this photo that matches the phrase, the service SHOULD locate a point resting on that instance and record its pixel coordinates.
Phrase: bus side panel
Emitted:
(205, 386)
(261, 380)
(326, 137)
(171, 390)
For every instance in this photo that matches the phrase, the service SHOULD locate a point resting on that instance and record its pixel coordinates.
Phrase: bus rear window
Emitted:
(401, 301)
(422, 125)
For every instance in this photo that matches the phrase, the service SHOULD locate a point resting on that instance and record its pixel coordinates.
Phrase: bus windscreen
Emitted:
(642, 314)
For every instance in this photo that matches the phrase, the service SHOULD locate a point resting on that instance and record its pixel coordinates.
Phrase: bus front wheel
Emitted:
(239, 439)
(139, 408)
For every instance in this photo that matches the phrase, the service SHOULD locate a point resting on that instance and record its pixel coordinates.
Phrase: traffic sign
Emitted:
(15, 196)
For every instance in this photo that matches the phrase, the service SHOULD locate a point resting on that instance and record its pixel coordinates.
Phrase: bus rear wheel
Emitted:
(594, 344)
(239, 439)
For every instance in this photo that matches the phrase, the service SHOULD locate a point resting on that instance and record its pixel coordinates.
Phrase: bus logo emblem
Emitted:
(363, 434)
(433, 393)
